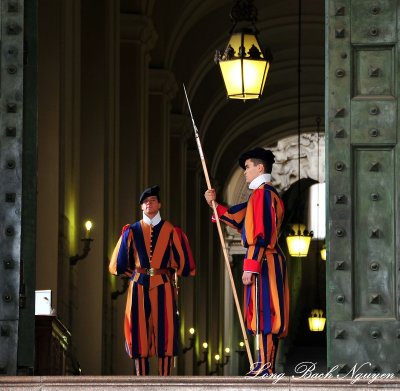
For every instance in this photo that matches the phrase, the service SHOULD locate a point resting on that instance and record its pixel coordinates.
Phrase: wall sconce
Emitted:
(227, 357)
(192, 333)
(73, 260)
(241, 351)
(218, 363)
(316, 321)
(217, 359)
(205, 354)
(125, 286)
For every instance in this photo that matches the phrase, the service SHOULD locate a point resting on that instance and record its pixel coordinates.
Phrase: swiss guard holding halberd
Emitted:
(266, 292)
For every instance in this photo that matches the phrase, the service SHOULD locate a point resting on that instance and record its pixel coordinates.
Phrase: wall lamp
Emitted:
(73, 260)
(241, 351)
(218, 363)
(125, 286)
(205, 354)
(217, 359)
(192, 333)
(227, 357)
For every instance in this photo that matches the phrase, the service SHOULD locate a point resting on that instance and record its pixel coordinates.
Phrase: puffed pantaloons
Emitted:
(151, 326)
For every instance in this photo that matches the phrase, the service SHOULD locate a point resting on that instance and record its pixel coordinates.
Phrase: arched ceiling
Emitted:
(189, 32)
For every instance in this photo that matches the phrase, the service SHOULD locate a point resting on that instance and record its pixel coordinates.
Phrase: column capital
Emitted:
(162, 81)
(138, 28)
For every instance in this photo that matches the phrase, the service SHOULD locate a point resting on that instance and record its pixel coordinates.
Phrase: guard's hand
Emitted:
(210, 196)
(247, 278)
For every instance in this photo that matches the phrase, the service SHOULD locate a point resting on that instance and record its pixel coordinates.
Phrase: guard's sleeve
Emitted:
(182, 253)
(252, 262)
(233, 216)
(112, 267)
(122, 257)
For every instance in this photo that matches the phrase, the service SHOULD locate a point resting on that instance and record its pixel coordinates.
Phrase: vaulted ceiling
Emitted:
(189, 32)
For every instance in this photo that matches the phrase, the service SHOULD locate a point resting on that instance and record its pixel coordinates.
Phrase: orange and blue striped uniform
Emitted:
(151, 319)
(259, 221)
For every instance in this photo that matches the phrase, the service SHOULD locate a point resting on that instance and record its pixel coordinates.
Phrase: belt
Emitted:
(151, 272)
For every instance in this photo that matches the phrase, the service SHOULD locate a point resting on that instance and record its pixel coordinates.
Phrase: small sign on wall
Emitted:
(43, 302)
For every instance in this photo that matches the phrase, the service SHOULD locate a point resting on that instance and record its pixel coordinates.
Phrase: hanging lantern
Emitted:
(323, 253)
(316, 321)
(244, 65)
(298, 240)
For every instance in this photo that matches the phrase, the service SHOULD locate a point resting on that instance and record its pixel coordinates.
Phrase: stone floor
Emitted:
(122, 383)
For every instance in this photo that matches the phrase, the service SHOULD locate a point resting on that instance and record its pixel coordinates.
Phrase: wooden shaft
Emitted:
(221, 237)
(257, 293)
(227, 264)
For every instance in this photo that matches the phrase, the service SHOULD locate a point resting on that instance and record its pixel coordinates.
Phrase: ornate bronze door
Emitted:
(17, 185)
(363, 187)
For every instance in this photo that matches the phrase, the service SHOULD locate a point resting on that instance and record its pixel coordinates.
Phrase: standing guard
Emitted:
(152, 252)
(266, 291)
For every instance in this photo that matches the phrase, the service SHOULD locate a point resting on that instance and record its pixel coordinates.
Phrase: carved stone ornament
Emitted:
(285, 169)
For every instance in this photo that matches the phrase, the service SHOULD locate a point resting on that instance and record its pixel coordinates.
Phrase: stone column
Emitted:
(196, 212)
(137, 39)
(89, 285)
(48, 155)
(180, 127)
(162, 89)
(181, 197)
(111, 178)
(98, 173)
(70, 225)
(128, 174)
(231, 324)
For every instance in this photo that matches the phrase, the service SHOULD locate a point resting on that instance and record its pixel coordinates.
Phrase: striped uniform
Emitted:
(151, 319)
(259, 221)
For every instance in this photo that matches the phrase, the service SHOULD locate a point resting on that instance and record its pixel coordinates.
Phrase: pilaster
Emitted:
(137, 39)
(162, 88)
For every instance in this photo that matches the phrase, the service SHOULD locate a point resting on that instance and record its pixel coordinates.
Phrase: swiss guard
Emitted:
(152, 253)
(265, 279)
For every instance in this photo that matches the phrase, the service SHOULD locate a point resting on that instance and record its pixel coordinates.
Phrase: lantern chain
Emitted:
(244, 10)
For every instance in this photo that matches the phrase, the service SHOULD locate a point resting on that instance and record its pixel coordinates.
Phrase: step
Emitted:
(173, 383)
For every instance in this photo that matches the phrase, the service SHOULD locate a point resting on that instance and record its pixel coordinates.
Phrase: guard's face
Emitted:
(150, 206)
(252, 171)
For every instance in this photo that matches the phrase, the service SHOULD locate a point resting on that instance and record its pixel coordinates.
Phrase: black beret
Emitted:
(150, 191)
(257, 153)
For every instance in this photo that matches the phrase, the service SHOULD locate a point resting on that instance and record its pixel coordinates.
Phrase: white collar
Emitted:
(154, 221)
(257, 182)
